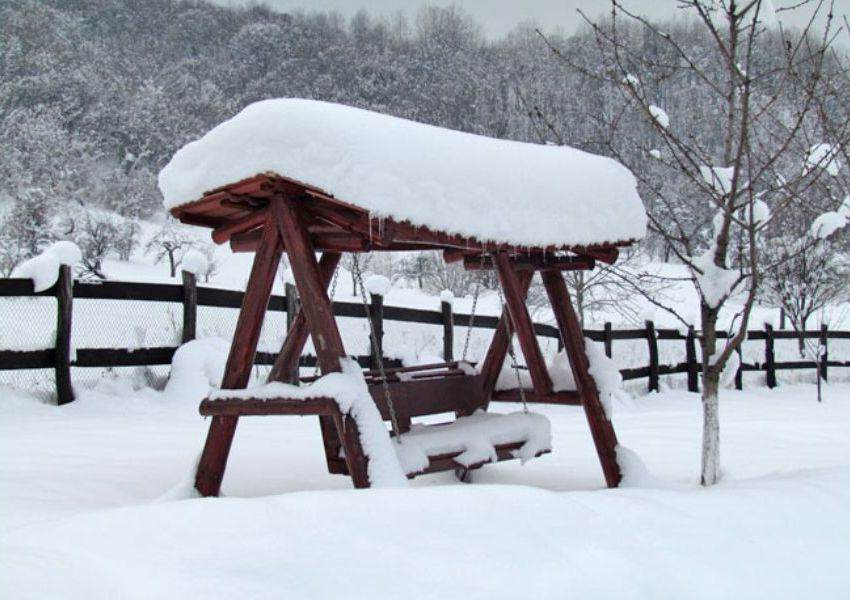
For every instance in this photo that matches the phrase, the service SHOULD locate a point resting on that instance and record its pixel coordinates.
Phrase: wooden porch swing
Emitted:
(270, 214)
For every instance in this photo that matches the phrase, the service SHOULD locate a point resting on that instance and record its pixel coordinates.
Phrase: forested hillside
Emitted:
(95, 96)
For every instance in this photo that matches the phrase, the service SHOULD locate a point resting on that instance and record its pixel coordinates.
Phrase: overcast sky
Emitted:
(499, 16)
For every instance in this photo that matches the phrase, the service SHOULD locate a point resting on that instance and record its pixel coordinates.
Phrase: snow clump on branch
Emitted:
(660, 116)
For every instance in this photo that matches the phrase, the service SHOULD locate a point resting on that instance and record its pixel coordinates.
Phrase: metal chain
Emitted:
(376, 354)
(475, 295)
(511, 351)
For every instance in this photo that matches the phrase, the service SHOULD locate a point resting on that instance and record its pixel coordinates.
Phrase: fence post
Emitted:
(190, 306)
(739, 374)
(824, 354)
(691, 359)
(448, 329)
(64, 314)
(769, 356)
(607, 339)
(293, 305)
(376, 312)
(652, 340)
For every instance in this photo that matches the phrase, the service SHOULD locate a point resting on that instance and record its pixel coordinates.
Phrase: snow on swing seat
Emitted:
(474, 440)
(468, 442)
(462, 184)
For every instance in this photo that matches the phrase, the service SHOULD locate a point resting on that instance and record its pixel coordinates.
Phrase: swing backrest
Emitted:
(460, 394)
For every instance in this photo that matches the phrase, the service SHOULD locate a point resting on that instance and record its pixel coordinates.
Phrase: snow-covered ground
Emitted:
(83, 514)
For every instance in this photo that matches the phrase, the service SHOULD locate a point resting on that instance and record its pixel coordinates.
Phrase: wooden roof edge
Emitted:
(253, 193)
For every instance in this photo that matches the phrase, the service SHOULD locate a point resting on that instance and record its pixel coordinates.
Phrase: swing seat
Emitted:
(472, 441)
(467, 443)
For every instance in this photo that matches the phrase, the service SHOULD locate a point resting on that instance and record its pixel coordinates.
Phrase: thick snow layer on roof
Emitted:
(490, 189)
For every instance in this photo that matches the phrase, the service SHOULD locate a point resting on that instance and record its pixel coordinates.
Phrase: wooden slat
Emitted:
(126, 290)
(531, 397)
(11, 360)
(429, 396)
(447, 462)
(238, 407)
(534, 263)
(122, 357)
(15, 286)
(250, 221)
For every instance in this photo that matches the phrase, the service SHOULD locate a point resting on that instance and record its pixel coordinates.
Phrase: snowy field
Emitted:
(85, 508)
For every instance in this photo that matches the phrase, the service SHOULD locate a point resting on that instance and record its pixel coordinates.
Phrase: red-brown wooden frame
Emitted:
(269, 214)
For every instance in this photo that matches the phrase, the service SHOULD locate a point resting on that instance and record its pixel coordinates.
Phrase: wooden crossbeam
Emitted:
(532, 263)
(335, 241)
(252, 220)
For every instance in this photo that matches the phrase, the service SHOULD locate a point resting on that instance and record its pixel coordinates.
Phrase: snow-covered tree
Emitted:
(98, 234)
(732, 143)
(170, 242)
(806, 276)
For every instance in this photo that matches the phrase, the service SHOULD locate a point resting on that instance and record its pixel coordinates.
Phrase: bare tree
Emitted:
(171, 242)
(98, 234)
(734, 147)
(806, 279)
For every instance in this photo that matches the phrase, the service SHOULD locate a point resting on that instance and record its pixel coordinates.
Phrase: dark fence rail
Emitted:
(190, 295)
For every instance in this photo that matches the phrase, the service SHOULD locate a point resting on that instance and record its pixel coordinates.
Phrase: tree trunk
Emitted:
(710, 428)
(801, 333)
(580, 305)
(172, 264)
(710, 399)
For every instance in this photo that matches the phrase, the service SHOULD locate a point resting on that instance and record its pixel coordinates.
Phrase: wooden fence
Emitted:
(60, 358)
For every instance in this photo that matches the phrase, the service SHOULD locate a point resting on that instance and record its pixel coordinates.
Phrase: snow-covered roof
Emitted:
(459, 183)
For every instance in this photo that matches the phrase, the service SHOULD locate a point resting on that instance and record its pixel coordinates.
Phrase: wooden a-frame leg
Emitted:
(495, 358)
(318, 312)
(290, 353)
(240, 361)
(296, 337)
(522, 324)
(601, 428)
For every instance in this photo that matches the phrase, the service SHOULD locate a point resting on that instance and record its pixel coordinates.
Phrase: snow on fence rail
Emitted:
(62, 355)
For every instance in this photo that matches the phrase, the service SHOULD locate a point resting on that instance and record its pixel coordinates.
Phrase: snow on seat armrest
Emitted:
(351, 394)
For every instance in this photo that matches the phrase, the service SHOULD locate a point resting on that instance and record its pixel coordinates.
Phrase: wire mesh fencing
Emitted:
(129, 331)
